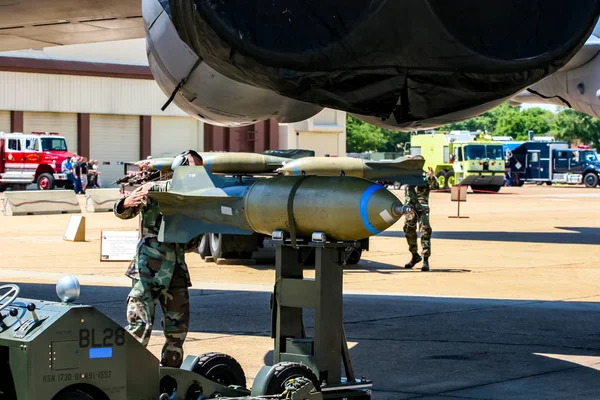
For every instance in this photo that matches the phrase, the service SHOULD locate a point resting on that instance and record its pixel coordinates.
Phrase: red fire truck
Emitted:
(32, 158)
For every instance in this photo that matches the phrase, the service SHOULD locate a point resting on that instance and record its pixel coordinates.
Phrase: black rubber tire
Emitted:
(549, 183)
(450, 174)
(442, 174)
(73, 394)
(217, 248)
(204, 246)
(51, 181)
(590, 180)
(520, 183)
(220, 368)
(3, 188)
(216, 245)
(284, 371)
(354, 257)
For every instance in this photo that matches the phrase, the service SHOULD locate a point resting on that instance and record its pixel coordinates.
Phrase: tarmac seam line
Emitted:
(507, 380)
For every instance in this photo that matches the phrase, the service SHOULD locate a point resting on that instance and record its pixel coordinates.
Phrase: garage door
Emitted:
(114, 139)
(172, 135)
(4, 121)
(64, 124)
(321, 142)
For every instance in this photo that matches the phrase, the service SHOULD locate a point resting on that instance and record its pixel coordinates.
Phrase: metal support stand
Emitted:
(327, 350)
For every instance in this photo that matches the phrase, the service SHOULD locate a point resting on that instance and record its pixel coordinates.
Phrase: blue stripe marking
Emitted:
(207, 166)
(364, 208)
(100, 352)
(295, 169)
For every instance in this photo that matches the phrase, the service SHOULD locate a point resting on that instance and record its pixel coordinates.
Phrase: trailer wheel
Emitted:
(220, 368)
(354, 257)
(217, 247)
(204, 246)
(81, 392)
(3, 188)
(284, 372)
(45, 182)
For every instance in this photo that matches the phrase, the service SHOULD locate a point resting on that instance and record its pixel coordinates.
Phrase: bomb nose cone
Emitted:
(289, 168)
(377, 209)
(397, 209)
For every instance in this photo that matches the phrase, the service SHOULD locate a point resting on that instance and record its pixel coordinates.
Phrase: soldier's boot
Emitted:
(414, 260)
(425, 264)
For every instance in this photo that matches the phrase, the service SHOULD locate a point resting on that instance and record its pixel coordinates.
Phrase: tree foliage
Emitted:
(504, 120)
(362, 137)
(570, 125)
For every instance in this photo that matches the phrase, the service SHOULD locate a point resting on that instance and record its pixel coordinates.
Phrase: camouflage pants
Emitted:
(175, 304)
(410, 231)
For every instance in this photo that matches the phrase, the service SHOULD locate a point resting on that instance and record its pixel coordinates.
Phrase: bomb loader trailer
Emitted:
(63, 351)
(329, 215)
(56, 351)
(463, 159)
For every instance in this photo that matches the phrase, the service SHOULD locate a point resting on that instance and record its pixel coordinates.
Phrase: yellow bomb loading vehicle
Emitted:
(462, 158)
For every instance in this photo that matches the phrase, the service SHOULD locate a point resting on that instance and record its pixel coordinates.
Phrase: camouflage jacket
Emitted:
(155, 262)
(418, 196)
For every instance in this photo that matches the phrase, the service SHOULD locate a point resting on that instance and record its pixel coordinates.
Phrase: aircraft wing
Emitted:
(26, 24)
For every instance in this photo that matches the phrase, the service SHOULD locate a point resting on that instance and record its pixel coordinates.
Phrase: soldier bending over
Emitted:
(418, 198)
(159, 273)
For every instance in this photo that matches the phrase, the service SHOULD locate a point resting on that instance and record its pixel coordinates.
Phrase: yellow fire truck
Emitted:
(462, 158)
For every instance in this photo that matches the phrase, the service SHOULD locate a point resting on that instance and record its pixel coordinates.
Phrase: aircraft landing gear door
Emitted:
(533, 165)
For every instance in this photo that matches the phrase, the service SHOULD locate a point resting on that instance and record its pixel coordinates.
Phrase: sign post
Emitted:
(118, 245)
(459, 195)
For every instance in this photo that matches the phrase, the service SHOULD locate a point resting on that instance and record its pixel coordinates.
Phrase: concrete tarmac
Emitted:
(509, 311)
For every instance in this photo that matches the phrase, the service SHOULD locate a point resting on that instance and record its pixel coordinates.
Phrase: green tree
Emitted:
(393, 138)
(362, 137)
(506, 120)
(570, 125)
(517, 122)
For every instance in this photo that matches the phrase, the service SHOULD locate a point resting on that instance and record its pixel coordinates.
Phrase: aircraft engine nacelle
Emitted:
(576, 86)
(410, 64)
(202, 91)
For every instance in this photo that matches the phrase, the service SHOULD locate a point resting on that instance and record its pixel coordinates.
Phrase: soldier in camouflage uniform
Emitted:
(418, 198)
(159, 274)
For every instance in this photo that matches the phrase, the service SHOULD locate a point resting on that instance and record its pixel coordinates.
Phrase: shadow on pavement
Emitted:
(588, 236)
(422, 347)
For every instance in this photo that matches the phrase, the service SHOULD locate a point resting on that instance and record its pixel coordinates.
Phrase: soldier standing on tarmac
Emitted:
(159, 273)
(417, 197)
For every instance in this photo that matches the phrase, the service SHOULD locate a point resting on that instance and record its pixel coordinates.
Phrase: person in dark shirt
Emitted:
(84, 174)
(77, 173)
